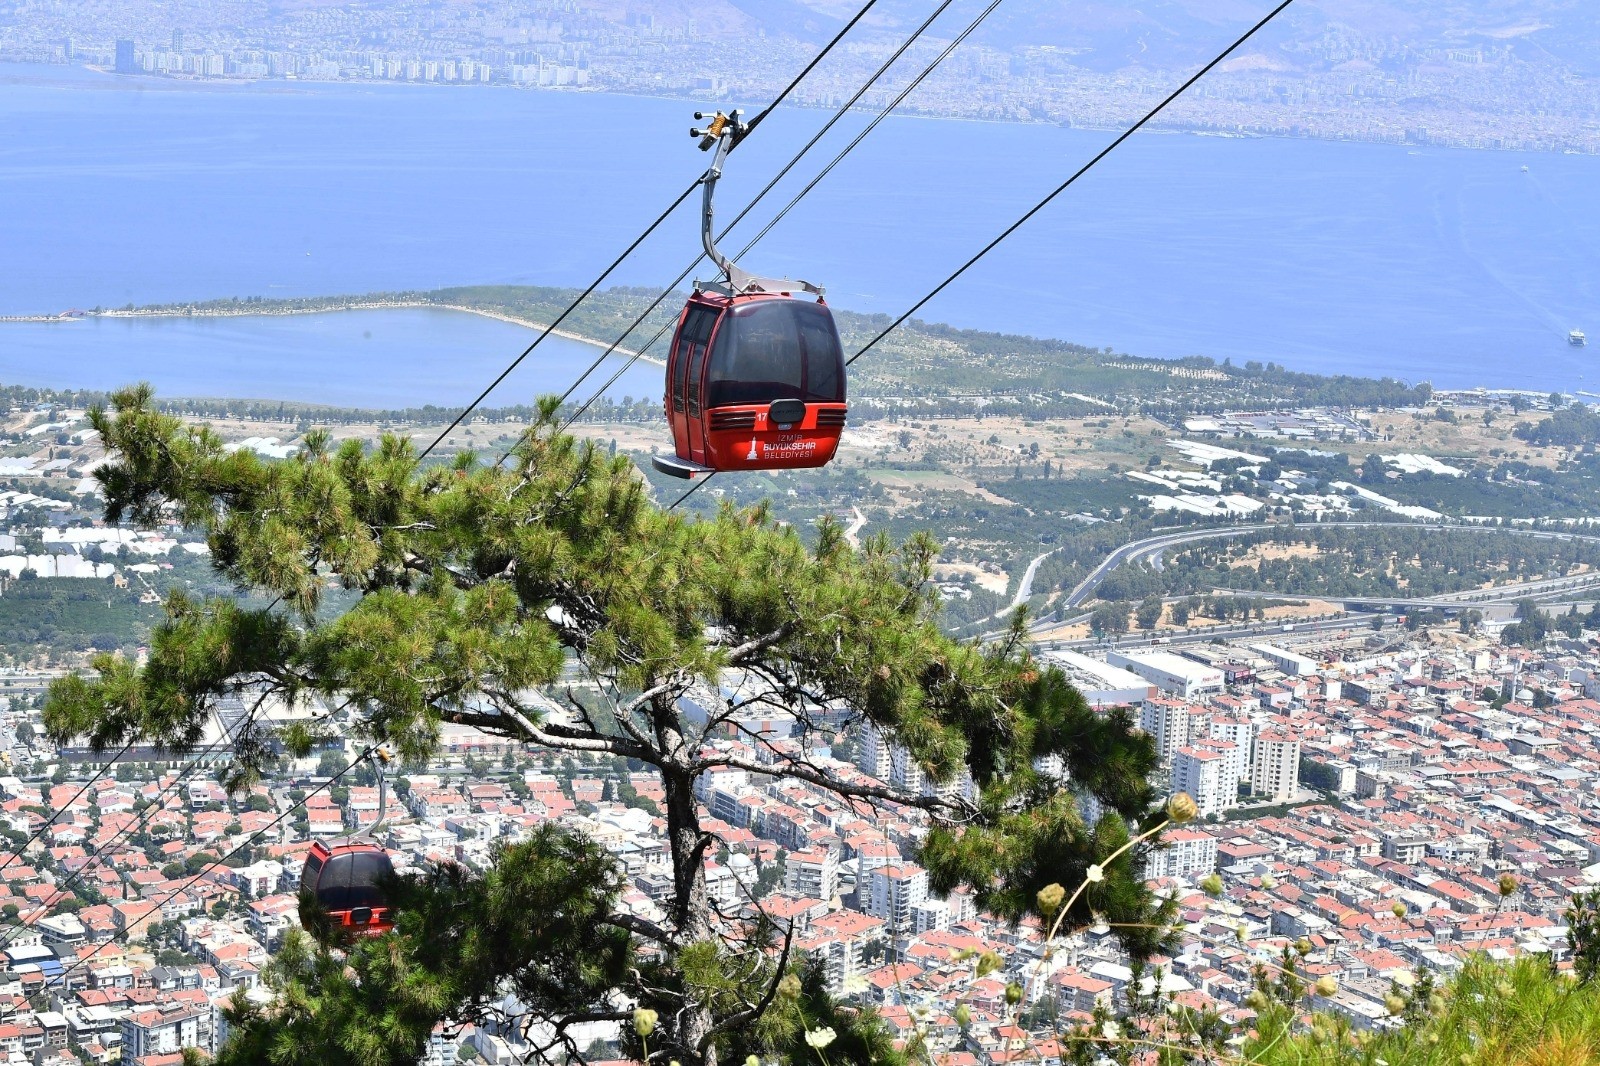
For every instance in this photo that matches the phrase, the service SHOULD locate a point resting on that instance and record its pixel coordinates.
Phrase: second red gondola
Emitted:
(347, 881)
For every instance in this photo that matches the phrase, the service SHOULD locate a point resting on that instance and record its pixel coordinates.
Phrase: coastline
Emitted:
(354, 305)
(181, 83)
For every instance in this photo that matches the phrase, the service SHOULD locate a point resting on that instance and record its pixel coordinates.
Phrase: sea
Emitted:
(1463, 268)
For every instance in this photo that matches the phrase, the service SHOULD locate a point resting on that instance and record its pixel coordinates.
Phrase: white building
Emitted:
(888, 761)
(930, 915)
(903, 770)
(1289, 662)
(1168, 723)
(1169, 672)
(1276, 772)
(1185, 852)
(1241, 733)
(872, 757)
(894, 893)
(165, 1031)
(1102, 684)
(813, 873)
(1202, 773)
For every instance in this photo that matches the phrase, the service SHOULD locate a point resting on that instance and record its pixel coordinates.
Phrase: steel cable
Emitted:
(598, 281)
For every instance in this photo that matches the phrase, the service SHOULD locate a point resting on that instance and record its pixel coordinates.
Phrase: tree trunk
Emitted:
(691, 902)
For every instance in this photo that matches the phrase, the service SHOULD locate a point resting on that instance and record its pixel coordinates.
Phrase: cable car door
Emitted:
(688, 381)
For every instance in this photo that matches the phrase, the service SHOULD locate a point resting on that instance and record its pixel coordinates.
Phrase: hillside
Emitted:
(1111, 34)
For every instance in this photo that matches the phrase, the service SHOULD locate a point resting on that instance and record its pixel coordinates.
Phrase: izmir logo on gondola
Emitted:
(789, 446)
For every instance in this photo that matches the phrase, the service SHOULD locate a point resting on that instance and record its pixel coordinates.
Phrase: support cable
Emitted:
(672, 286)
(1107, 150)
(1064, 186)
(879, 117)
(50, 818)
(696, 487)
(170, 896)
(597, 282)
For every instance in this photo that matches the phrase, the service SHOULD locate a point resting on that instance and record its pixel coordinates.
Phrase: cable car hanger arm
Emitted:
(724, 133)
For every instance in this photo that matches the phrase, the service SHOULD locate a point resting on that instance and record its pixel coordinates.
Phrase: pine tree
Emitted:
(479, 587)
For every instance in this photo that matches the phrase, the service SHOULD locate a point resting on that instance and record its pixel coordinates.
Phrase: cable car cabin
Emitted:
(755, 381)
(347, 881)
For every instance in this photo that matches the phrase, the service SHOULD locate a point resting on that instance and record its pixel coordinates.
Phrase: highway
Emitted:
(1270, 629)
(1152, 547)
(1025, 586)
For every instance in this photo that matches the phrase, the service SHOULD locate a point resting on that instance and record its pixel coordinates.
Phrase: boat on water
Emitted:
(1577, 339)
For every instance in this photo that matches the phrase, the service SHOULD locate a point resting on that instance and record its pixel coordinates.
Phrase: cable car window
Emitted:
(698, 328)
(680, 372)
(333, 887)
(693, 356)
(691, 346)
(757, 356)
(367, 870)
(824, 357)
(308, 876)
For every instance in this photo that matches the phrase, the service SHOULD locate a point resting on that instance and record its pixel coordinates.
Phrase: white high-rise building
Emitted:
(813, 873)
(1167, 722)
(903, 770)
(1276, 772)
(1202, 773)
(896, 890)
(1241, 733)
(1185, 852)
(872, 757)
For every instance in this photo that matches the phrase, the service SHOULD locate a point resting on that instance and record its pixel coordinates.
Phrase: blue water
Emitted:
(1445, 265)
(388, 358)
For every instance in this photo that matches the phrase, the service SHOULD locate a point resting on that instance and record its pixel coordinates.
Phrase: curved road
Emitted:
(1151, 546)
(1025, 586)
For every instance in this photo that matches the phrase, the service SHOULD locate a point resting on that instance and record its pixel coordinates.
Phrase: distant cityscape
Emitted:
(1337, 85)
(1385, 798)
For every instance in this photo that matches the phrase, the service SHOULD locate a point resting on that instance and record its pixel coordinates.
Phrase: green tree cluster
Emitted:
(476, 585)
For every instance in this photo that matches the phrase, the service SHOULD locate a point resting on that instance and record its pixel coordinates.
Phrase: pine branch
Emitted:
(958, 809)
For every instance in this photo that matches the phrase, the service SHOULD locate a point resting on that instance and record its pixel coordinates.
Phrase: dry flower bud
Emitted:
(1182, 808)
(1050, 898)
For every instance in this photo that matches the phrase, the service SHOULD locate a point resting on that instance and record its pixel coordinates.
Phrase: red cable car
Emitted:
(347, 878)
(756, 375)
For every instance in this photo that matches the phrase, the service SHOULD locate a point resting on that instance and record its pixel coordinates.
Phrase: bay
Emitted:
(382, 358)
(1453, 266)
